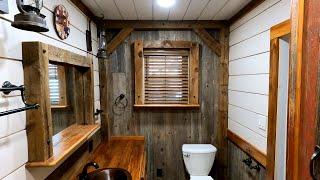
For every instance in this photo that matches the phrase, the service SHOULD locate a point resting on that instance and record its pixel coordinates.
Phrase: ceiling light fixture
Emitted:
(166, 3)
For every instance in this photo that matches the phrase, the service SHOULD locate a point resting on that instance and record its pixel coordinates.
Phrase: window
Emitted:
(166, 76)
(57, 85)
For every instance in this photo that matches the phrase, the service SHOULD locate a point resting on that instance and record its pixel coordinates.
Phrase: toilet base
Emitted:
(201, 178)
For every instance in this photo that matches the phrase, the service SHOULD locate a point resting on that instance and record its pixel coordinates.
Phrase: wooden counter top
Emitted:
(126, 152)
(65, 143)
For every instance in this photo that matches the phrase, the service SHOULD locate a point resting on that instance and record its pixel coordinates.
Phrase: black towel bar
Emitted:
(7, 88)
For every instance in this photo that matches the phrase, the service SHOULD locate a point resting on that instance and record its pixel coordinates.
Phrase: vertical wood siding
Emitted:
(166, 129)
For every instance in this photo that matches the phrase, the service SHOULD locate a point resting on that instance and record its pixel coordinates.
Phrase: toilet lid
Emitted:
(198, 148)
(201, 178)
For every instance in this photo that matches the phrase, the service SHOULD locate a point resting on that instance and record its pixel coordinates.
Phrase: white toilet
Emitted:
(198, 159)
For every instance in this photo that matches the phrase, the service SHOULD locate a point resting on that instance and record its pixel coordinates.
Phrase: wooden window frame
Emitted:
(42, 150)
(193, 48)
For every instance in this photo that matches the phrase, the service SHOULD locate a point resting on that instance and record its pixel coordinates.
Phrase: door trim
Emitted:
(276, 32)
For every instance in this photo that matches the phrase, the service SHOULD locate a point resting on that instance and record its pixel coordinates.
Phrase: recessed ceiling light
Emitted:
(166, 3)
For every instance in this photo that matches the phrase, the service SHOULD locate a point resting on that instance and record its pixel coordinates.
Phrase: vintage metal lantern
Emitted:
(30, 18)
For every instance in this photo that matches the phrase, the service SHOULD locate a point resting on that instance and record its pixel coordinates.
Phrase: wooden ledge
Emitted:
(167, 106)
(65, 143)
(248, 148)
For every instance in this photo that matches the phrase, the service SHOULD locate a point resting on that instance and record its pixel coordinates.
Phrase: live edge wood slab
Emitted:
(126, 152)
(65, 143)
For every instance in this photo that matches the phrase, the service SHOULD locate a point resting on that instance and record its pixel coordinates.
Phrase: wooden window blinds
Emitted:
(166, 77)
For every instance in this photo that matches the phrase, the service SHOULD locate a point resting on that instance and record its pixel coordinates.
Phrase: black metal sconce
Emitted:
(7, 88)
(30, 18)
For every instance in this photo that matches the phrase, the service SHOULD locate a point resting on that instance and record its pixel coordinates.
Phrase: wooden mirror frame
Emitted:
(36, 57)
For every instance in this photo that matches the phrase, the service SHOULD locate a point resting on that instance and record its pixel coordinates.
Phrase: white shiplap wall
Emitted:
(249, 71)
(13, 140)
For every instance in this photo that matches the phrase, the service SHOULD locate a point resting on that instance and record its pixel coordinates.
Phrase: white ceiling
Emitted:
(149, 9)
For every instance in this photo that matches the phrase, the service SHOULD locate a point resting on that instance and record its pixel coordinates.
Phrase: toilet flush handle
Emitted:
(186, 155)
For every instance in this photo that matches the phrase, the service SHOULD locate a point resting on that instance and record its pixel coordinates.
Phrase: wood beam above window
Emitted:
(118, 39)
(213, 44)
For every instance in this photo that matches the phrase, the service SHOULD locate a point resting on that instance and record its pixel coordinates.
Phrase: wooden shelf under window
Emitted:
(167, 105)
(67, 142)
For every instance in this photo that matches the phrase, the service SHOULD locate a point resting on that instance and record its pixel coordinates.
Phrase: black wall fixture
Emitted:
(7, 88)
(4, 8)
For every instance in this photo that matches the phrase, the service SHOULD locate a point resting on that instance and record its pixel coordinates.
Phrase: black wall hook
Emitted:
(249, 162)
(7, 88)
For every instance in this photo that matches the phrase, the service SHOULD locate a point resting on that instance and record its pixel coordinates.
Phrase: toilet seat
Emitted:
(201, 178)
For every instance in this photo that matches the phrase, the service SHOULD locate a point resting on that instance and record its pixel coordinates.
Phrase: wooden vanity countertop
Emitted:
(126, 152)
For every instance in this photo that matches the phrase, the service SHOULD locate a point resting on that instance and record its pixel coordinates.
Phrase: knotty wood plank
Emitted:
(158, 25)
(213, 44)
(66, 143)
(138, 72)
(56, 54)
(118, 39)
(194, 75)
(39, 122)
(104, 91)
(248, 148)
(88, 93)
(245, 10)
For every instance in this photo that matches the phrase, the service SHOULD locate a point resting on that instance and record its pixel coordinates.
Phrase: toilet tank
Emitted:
(198, 158)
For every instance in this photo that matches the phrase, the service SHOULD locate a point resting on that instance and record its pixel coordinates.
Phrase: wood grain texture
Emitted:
(118, 39)
(59, 55)
(39, 122)
(213, 44)
(73, 165)
(159, 25)
(166, 130)
(294, 101)
(65, 143)
(281, 29)
(138, 72)
(310, 88)
(123, 152)
(237, 169)
(248, 148)
(245, 10)
(104, 89)
(221, 131)
(273, 104)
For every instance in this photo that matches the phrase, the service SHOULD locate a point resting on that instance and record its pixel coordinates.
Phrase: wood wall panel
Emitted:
(167, 129)
(237, 169)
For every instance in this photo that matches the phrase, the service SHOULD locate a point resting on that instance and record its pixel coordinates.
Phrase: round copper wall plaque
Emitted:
(61, 22)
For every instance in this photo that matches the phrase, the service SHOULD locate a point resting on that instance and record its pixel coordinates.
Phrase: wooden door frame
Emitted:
(276, 32)
(302, 114)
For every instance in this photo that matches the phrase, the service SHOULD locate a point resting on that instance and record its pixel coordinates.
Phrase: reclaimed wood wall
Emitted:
(165, 129)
